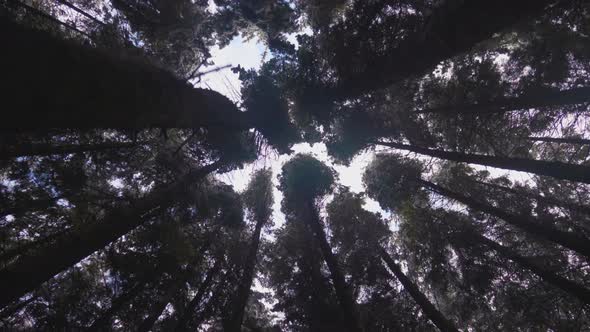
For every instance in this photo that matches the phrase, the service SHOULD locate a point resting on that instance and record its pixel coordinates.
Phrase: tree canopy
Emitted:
(135, 198)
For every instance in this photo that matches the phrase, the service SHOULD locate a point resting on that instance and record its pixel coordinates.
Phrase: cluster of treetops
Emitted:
(112, 217)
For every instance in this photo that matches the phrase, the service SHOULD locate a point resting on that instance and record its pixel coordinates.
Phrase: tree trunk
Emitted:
(427, 307)
(10, 254)
(30, 271)
(343, 291)
(11, 310)
(27, 150)
(524, 102)
(47, 17)
(155, 311)
(60, 84)
(528, 224)
(80, 11)
(547, 199)
(29, 206)
(574, 289)
(554, 169)
(453, 28)
(243, 292)
(209, 308)
(184, 320)
(565, 140)
(103, 323)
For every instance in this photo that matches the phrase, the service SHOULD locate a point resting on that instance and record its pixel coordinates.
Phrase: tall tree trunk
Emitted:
(80, 11)
(184, 320)
(103, 323)
(547, 199)
(427, 307)
(31, 270)
(26, 150)
(61, 84)
(554, 169)
(243, 292)
(343, 291)
(12, 253)
(11, 310)
(47, 17)
(28, 206)
(214, 300)
(533, 226)
(105, 319)
(454, 27)
(565, 140)
(525, 102)
(574, 289)
(155, 311)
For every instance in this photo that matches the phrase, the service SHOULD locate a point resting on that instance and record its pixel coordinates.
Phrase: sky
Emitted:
(249, 54)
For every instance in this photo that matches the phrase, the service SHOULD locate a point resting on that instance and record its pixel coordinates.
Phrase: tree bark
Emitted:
(525, 102)
(184, 320)
(427, 307)
(243, 292)
(31, 270)
(547, 199)
(565, 140)
(28, 150)
(533, 226)
(60, 84)
(554, 169)
(343, 291)
(574, 289)
(453, 28)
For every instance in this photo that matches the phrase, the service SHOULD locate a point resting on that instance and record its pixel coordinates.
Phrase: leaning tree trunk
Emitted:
(60, 84)
(453, 27)
(243, 292)
(525, 102)
(554, 169)
(155, 310)
(80, 11)
(533, 226)
(427, 307)
(29, 206)
(564, 140)
(28, 150)
(210, 307)
(546, 199)
(184, 320)
(11, 310)
(343, 291)
(10, 254)
(31, 270)
(574, 289)
(103, 323)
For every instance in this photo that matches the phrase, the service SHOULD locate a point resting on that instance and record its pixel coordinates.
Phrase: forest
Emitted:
(115, 209)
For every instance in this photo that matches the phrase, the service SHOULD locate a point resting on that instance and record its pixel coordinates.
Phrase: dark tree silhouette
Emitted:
(557, 170)
(33, 269)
